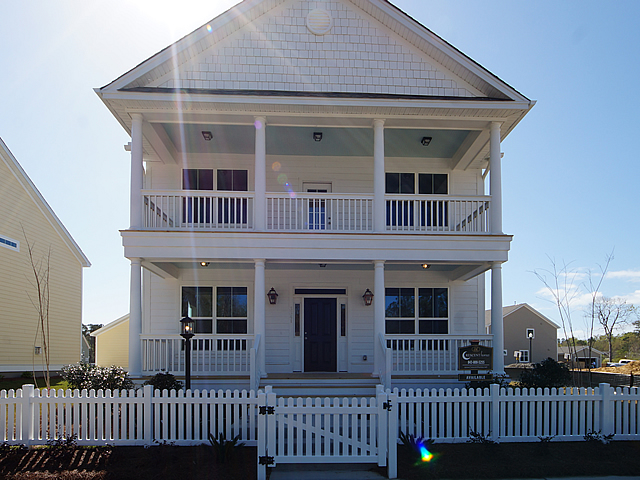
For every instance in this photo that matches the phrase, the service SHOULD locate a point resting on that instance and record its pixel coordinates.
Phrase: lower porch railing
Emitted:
(426, 354)
(210, 354)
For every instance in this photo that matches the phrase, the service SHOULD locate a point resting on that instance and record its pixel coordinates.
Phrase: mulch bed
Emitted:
(452, 461)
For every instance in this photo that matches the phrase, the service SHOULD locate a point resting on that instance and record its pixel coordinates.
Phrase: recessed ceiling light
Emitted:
(426, 265)
(207, 136)
(317, 136)
(426, 141)
(204, 264)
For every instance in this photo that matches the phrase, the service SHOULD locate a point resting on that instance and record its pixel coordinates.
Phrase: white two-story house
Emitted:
(336, 153)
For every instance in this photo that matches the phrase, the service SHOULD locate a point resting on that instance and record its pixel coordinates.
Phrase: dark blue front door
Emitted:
(320, 339)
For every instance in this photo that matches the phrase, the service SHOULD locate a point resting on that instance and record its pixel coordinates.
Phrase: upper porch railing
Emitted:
(315, 212)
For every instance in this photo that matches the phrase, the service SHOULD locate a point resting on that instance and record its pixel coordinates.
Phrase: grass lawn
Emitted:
(452, 461)
(15, 383)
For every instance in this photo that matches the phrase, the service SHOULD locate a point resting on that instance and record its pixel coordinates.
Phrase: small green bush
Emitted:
(164, 381)
(84, 375)
(547, 373)
(224, 449)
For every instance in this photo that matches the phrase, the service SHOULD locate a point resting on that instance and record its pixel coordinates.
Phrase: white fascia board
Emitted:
(239, 10)
(40, 202)
(110, 325)
(451, 51)
(186, 98)
(316, 247)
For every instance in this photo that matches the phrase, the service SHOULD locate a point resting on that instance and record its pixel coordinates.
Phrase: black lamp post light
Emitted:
(187, 326)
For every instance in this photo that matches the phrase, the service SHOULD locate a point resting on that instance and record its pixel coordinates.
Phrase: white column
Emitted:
(135, 319)
(260, 202)
(259, 304)
(495, 179)
(379, 210)
(135, 215)
(497, 328)
(378, 314)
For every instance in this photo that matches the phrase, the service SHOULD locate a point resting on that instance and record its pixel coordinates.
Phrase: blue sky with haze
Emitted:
(570, 169)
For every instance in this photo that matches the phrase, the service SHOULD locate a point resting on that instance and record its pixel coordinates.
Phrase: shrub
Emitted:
(224, 449)
(164, 380)
(84, 375)
(547, 373)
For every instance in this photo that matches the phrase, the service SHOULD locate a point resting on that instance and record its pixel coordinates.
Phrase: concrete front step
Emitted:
(322, 385)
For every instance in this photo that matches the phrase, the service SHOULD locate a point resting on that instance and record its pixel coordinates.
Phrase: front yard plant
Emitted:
(84, 375)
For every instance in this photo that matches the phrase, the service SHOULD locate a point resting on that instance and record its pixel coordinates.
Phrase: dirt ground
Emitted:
(633, 367)
(453, 461)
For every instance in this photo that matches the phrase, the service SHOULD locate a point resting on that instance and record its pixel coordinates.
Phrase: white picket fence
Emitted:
(320, 430)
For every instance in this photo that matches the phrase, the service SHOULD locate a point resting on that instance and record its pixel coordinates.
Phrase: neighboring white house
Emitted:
(27, 219)
(320, 151)
(529, 336)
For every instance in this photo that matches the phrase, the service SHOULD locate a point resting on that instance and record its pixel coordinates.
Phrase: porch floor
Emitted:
(339, 384)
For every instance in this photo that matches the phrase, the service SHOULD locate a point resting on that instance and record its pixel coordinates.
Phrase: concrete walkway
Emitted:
(364, 472)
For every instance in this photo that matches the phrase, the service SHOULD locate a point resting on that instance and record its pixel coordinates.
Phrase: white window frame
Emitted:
(524, 356)
(7, 242)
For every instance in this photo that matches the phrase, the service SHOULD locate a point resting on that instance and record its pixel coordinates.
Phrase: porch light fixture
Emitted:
(207, 136)
(426, 141)
(368, 297)
(273, 296)
(317, 136)
(204, 264)
(426, 265)
(187, 329)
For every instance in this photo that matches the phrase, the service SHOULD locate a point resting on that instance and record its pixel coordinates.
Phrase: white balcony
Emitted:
(316, 212)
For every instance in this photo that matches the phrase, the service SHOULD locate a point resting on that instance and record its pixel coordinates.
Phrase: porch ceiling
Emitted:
(293, 140)
(452, 271)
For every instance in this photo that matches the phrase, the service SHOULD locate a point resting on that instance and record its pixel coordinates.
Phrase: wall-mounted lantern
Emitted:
(368, 297)
(273, 296)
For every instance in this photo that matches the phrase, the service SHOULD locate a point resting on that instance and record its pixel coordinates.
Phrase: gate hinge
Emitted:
(387, 405)
(266, 460)
(267, 410)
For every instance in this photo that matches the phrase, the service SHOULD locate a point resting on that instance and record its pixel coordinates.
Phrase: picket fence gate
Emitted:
(317, 430)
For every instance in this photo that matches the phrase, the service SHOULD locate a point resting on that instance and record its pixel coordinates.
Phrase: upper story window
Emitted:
(426, 313)
(428, 183)
(226, 180)
(6, 242)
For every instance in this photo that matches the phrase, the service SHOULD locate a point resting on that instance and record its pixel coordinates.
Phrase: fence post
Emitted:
(262, 435)
(28, 392)
(381, 399)
(494, 390)
(147, 400)
(606, 409)
(392, 426)
(271, 423)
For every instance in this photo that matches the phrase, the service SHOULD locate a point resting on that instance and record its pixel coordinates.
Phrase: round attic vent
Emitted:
(319, 21)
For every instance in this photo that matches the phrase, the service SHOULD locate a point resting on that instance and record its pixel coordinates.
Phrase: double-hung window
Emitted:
(232, 209)
(401, 213)
(197, 209)
(229, 311)
(421, 310)
(200, 209)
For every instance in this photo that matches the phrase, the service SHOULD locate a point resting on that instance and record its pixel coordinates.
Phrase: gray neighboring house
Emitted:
(582, 357)
(520, 321)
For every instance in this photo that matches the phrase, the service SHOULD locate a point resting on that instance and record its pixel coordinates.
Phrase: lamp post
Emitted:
(530, 347)
(187, 326)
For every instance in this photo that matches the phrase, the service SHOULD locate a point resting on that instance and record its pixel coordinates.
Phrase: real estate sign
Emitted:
(475, 357)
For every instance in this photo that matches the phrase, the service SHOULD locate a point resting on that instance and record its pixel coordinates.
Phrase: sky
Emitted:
(570, 168)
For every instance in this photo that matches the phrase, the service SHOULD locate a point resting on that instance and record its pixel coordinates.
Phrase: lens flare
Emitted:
(257, 124)
(276, 166)
(209, 29)
(282, 178)
(426, 455)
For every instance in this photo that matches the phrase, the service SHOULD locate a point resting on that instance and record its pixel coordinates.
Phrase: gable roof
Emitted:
(111, 325)
(411, 47)
(24, 180)
(579, 349)
(508, 310)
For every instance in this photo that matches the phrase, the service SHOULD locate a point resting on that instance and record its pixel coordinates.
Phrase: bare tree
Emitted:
(612, 313)
(594, 290)
(40, 268)
(561, 283)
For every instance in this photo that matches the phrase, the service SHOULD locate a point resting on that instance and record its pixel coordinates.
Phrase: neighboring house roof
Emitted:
(38, 199)
(109, 326)
(506, 311)
(579, 349)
